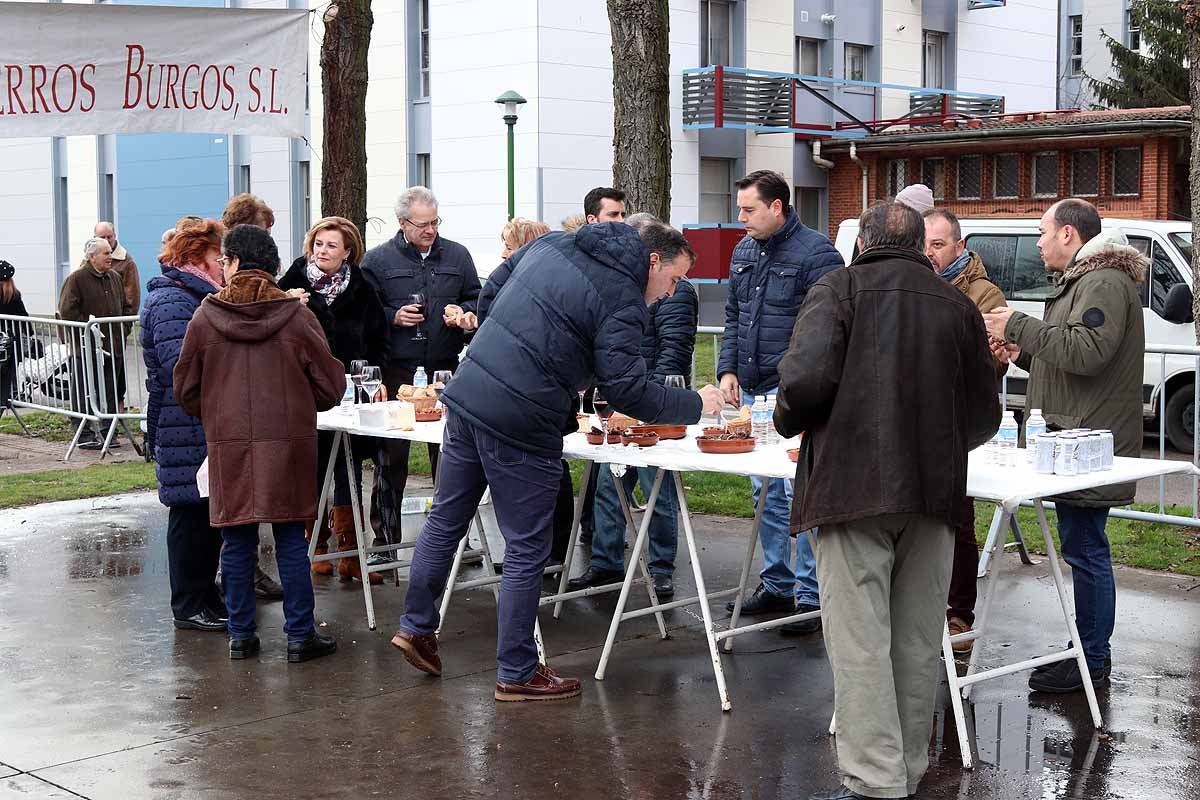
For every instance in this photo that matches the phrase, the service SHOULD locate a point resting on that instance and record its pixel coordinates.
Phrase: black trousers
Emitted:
(193, 554)
(964, 588)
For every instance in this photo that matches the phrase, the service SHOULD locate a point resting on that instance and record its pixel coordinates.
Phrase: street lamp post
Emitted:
(511, 100)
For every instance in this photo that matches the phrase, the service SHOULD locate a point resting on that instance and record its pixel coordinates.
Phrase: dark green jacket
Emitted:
(1085, 356)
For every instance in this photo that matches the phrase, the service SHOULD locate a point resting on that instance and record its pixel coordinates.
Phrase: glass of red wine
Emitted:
(417, 299)
(604, 410)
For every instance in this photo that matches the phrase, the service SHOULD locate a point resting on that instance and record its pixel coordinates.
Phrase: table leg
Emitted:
(702, 593)
(325, 488)
(1019, 539)
(996, 555)
(449, 590)
(1076, 644)
(574, 542)
(956, 700)
(747, 561)
(638, 544)
(360, 535)
(994, 530)
(641, 554)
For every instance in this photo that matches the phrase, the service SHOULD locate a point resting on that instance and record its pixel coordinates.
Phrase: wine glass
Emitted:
(441, 377)
(674, 382)
(604, 410)
(418, 299)
(372, 379)
(356, 369)
(582, 392)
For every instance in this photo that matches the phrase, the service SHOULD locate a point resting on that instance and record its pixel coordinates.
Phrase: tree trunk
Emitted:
(641, 114)
(344, 90)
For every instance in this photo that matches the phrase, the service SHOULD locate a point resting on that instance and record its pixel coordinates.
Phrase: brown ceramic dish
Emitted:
(663, 431)
(597, 437)
(725, 446)
(640, 438)
(429, 416)
(794, 454)
(714, 430)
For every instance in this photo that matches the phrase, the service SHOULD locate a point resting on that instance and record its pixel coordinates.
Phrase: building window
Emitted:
(1045, 175)
(714, 32)
(1126, 171)
(970, 178)
(1085, 173)
(808, 56)
(108, 206)
(425, 170)
(933, 175)
(808, 207)
(856, 62)
(716, 203)
(1075, 66)
(933, 64)
(1133, 31)
(243, 178)
(423, 20)
(896, 177)
(303, 177)
(1006, 176)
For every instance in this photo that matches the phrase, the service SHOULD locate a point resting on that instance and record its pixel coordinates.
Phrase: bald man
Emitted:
(123, 264)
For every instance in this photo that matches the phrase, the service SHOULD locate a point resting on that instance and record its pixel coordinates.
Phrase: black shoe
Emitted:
(1064, 678)
(805, 626)
(840, 793)
(763, 602)
(266, 587)
(204, 621)
(243, 648)
(664, 586)
(314, 646)
(1044, 668)
(595, 577)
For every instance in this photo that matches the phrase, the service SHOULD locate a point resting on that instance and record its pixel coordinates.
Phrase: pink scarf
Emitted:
(192, 269)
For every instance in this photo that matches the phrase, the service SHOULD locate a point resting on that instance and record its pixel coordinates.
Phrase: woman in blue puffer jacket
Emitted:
(191, 271)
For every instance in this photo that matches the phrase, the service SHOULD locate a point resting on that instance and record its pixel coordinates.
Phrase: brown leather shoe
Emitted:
(544, 685)
(957, 626)
(420, 651)
(343, 525)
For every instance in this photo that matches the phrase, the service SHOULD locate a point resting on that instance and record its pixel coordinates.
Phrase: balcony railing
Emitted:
(767, 102)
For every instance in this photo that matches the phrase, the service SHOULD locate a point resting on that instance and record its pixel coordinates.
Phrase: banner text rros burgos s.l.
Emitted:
(68, 69)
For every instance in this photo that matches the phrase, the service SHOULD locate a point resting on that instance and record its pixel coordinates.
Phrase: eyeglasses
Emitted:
(222, 260)
(424, 226)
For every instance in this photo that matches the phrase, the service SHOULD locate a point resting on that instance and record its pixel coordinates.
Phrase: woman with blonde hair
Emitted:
(518, 232)
(356, 327)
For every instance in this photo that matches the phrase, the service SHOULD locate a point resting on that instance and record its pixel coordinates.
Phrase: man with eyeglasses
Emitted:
(417, 260)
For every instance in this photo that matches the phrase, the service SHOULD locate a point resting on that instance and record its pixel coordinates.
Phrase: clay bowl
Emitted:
(714, 430)
(725, 446)
(794, 454)
(663, 431)
(641, 439)
(433, 415)
(597, 437)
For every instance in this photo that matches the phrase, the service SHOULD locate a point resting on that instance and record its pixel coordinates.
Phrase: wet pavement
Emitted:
(101, 698)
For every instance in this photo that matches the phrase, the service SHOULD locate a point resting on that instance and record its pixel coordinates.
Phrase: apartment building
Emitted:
(1082, 48)
(436, 68)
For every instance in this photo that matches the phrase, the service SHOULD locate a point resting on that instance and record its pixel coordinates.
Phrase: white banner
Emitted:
(70, 69)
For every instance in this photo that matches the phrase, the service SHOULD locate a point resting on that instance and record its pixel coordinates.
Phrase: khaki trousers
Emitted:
(883, 583)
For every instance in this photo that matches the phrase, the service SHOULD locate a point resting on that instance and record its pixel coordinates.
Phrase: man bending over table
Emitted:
(571, 314)
(890, 378)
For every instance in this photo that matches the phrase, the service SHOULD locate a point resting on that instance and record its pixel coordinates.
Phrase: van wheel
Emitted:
(1181, 419)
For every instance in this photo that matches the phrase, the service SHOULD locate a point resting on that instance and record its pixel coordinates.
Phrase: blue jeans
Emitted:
(524, 490)
(238, 559)
(777, 574)
(1085, 548)
(608, 537)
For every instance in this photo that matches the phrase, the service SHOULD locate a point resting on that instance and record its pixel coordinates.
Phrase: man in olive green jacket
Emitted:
(1085, 362)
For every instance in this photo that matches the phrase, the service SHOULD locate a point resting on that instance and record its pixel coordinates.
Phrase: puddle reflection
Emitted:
(112, 552)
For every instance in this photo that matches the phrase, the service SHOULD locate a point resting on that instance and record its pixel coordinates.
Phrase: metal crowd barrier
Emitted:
(91, 372)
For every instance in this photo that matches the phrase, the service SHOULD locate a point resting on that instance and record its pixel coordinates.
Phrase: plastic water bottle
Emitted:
(419, 379)
(1035, 425)
(759, 421)
(772, 434)
(1008, 440)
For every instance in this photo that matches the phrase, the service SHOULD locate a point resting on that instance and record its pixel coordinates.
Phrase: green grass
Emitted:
(97, 480)
(50, 427)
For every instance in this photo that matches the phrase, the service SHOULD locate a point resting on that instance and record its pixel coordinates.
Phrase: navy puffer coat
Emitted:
(671, 336)
(768, 282)
(175, 438)
(572, 313)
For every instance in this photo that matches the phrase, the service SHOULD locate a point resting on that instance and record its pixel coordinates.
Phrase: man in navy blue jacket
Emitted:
(571, 314)
(769, 277)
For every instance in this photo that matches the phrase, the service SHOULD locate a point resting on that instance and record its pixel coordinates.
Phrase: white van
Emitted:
(1008, 248)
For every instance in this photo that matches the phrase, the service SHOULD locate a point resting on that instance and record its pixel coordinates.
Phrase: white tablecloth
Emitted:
(347, 422)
